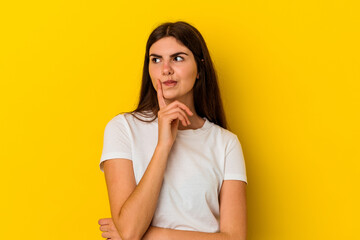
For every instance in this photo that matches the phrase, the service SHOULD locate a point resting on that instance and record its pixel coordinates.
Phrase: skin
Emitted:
(133, 206)
(181, 68)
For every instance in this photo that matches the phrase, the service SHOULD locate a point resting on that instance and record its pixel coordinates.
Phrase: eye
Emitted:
(178, 58)
(154, 60)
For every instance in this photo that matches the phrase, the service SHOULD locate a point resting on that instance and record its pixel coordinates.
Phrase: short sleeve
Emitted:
(234, 162)
(117, 142)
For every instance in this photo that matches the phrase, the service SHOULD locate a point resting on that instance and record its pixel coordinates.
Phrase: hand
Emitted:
(169, 117)
(108, 228)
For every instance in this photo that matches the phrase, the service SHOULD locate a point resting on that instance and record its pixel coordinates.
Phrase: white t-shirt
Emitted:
(198, 163)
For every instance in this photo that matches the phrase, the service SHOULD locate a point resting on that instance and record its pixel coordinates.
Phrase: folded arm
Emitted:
(233, 217)
(133, 206)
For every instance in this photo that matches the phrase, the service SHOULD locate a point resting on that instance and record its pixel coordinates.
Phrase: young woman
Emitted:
(172, 169)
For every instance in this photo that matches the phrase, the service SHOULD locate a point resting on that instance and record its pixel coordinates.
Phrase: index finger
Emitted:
(160, 95)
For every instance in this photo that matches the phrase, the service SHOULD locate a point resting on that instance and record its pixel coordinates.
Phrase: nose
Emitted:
(166, 68)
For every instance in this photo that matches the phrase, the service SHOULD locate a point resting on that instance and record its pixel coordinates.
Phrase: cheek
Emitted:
(191, 72)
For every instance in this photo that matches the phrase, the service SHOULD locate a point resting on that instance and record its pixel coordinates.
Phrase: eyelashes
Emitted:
(154, 60)
(180, 59)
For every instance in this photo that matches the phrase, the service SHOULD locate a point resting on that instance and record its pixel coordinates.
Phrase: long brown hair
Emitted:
(207, 100)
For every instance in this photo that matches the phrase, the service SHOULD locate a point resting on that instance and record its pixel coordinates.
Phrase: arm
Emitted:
(232, 218)
(132, 207)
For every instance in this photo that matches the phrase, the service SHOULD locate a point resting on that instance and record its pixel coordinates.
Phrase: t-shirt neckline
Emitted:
(186, 132)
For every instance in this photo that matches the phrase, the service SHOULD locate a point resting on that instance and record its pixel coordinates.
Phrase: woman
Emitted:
(172, 169)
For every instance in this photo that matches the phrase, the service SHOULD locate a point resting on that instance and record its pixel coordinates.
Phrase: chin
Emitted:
(170, 97)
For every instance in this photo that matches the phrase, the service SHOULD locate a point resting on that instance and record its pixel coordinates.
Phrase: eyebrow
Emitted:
(172, 55)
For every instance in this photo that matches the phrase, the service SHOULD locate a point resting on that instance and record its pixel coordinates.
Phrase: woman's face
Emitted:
(174, 65)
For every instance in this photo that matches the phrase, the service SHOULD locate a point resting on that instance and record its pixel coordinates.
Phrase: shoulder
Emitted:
(225, 134)
(116, 122)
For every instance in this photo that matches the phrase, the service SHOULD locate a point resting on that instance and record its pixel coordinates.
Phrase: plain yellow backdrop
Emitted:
(289, 76)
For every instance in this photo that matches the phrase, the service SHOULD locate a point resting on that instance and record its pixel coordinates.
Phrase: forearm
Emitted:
(156, 233)
(137, 212)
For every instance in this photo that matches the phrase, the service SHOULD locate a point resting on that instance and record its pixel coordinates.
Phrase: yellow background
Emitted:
(289, 76)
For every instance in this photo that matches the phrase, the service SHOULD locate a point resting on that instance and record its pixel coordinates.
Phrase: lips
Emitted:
(170, 83)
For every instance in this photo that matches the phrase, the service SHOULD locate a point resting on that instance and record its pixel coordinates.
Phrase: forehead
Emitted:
(167, 46)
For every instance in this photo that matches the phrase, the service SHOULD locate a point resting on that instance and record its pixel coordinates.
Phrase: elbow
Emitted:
(128, 233)
(127, 230)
